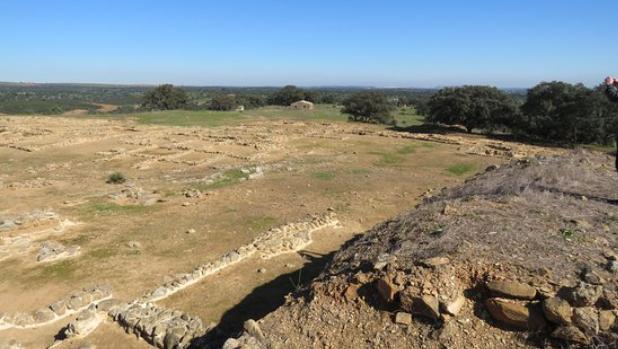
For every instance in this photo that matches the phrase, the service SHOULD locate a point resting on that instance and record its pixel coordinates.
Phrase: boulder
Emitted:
(557, 310)
(508, 312)
(570, 334)
(587, 320)
(386, 289)
(425, 306)
(584, 294)
(511, 289)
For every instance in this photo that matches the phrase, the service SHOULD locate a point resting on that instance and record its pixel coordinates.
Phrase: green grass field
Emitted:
(209, 118)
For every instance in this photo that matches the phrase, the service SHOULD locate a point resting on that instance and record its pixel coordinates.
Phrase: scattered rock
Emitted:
(612, 266)
(403, 318)
(425, 306)
(85, 323)
(570, 334)
(351, 292)
(584, 294)
(136, 245)
(43, 315)
(587, 320)
(386, 289)
(558, 311)
(435, 261)
(455, 306)
(511, 289)
(607, 318)
(253, 329)
(508, 312)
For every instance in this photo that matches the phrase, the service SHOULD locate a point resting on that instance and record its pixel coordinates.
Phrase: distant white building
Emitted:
(302, 105)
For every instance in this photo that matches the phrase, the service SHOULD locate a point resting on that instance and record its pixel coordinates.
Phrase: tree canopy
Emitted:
(165, 97)
(290, 94)
(369, 106)
(474, 107)
(565, 113)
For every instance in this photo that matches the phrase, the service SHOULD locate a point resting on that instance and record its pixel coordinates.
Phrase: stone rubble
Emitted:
(163, 328)
(53, 250)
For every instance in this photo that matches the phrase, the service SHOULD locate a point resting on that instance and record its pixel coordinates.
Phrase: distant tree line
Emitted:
(555, 112)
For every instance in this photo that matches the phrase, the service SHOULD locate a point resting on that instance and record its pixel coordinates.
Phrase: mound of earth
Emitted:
(521, 256)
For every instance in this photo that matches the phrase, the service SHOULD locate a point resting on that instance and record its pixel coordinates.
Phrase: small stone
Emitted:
(426, 306)
(455, 306)
(558, 311)
(261, 270)
(231, 343)
(386, 289)
(511, 289)
(253, 328)
(570, 334)
(351, 292)
(587, 320)
(43, 315)
(58, 307)
(610, 255)
(435, 261)
(612, 266)
(585, 294)
(508, 312)
(134, 245)
(362, 278)
(191, 231)
(607, 318)
(403, 318)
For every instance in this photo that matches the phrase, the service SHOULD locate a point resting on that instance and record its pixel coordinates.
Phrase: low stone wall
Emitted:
(61, 309)
(163, 328)
(288, 238)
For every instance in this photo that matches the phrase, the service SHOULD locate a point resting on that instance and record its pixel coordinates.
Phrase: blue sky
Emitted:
(388, 43)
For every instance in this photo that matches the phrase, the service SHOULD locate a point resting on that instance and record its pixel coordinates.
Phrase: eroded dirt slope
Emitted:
(522, 256)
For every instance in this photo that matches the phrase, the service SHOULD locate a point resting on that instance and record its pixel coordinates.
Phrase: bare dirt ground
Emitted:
(191, 196)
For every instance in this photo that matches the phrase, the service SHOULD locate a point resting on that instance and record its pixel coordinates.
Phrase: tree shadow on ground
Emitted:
(460, 131)
(263, 300)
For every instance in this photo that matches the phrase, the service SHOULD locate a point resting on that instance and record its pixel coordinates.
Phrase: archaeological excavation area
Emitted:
(203, 229)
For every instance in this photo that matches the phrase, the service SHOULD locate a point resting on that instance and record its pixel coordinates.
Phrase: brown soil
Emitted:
(363, 173)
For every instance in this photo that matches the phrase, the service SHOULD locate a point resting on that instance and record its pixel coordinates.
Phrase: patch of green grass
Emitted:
(406, 149)
(360, 171)
(61, 270)
(259, 223)
(102, 253)
(111, 209)
(388, 159)
(228, 178)
(323, 175)
(211, 118)
(408, 117)
(461, 169)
